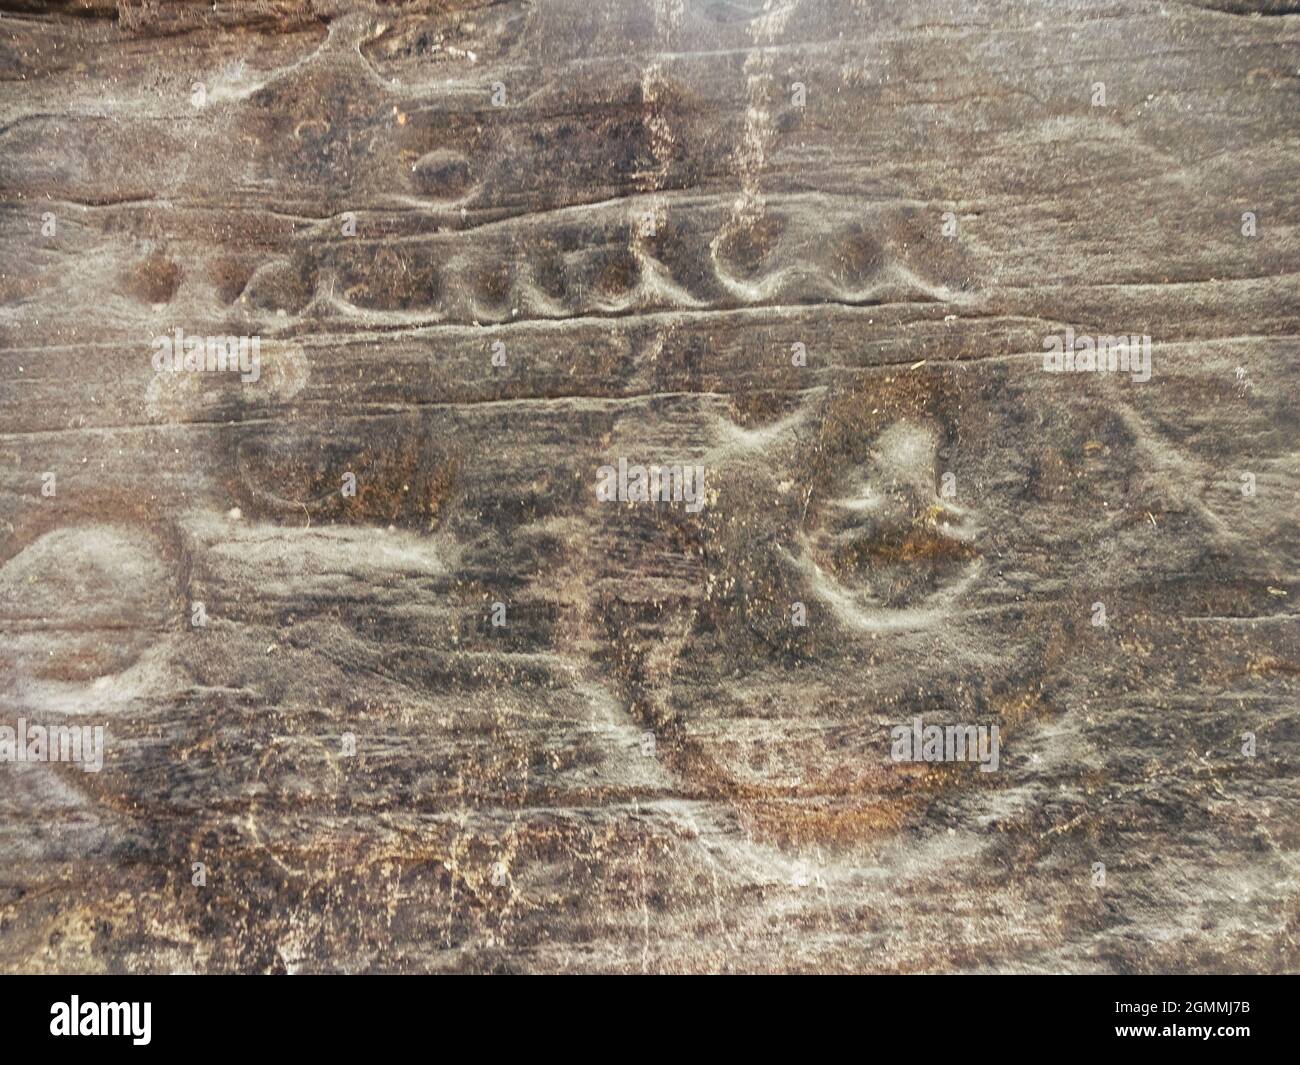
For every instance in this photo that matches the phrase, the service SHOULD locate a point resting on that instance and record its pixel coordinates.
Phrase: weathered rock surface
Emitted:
(490, 248)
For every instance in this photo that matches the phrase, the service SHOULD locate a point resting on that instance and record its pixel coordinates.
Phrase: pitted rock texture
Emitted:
(378, 667)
